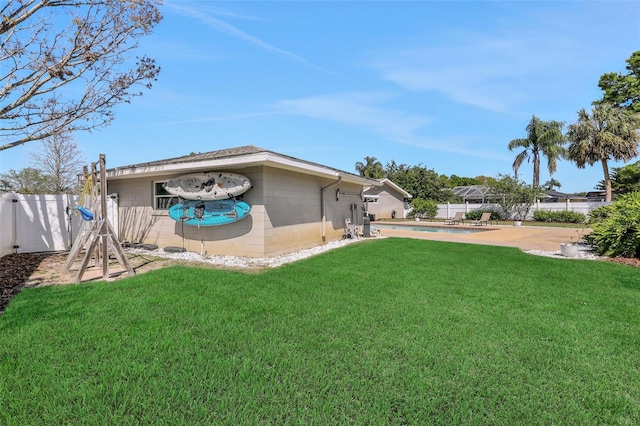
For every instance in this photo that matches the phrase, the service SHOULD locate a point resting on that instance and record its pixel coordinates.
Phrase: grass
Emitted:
(393, 331)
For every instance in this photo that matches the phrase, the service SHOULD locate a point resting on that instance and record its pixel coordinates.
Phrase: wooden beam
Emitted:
(100, 239)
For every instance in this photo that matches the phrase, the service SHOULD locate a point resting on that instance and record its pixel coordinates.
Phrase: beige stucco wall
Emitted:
(286, 215)
(389, 201)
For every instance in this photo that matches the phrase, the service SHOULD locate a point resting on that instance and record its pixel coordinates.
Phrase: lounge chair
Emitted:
(484, 219)
(455, 220)
(350, 230)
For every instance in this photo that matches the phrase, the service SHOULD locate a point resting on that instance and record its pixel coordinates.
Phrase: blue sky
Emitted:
(445, 85)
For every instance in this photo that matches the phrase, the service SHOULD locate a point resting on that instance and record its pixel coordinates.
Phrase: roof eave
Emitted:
(396, 187)
(257, 159)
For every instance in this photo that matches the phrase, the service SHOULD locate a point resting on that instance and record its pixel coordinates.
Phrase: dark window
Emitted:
(162, 199)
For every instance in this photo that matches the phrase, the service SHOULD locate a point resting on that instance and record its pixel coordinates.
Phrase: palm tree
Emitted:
(550, 184)
(371, 168)
(605, 134)
(543, 138)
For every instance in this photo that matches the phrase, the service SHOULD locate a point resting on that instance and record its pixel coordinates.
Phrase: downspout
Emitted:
(324, 208)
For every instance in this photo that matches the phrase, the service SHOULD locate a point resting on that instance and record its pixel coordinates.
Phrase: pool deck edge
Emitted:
(523, 237)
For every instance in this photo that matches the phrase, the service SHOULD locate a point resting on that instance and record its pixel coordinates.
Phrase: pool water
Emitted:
(426, 228)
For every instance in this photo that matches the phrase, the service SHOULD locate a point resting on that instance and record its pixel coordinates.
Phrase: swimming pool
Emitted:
(427, 228)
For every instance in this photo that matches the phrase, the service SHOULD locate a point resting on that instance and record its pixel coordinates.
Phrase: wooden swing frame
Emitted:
(97, 236)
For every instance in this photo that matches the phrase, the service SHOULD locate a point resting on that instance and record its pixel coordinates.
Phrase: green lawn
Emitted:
(392, 331)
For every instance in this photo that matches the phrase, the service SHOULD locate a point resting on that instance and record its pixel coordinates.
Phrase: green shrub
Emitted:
(423, 208)
(543, 216)
(515, 197)
(573, 217)
(616, 228)
(598, 214)
(563, 216)
(477, 213)
(473, 214)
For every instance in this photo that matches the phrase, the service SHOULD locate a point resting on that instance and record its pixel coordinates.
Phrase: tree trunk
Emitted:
(607, 181)
(536, 171)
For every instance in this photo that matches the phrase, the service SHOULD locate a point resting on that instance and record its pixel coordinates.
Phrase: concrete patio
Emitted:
(523, 237)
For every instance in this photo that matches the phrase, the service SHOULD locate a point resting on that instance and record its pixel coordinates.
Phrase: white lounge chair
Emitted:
(350, 230)
(484, 219)
(459, 217)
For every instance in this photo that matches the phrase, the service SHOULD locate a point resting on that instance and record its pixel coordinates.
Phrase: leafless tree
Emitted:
(61, 160)
(64, 64)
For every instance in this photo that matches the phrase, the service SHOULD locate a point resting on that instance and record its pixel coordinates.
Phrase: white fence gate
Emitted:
(42, 223)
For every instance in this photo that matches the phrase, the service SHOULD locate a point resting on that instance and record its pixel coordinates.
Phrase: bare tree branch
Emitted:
(65, 64)
(60, 160)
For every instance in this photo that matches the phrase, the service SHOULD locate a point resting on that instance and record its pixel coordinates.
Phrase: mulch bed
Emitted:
(16, 270)
(626, 261)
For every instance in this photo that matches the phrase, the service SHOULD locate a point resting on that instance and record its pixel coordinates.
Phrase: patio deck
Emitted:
(523, 237)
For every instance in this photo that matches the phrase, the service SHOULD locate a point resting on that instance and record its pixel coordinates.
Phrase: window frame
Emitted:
(159, 202)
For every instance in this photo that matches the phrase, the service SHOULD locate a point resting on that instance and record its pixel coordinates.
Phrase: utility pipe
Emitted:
(324, 207)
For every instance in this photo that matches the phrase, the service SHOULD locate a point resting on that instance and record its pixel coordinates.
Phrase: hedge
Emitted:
(563, 216)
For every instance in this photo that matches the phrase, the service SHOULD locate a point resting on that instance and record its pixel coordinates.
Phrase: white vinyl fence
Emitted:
(584, 207)
(42, 223)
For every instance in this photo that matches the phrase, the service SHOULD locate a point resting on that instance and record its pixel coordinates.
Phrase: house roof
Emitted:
(395, 187)
(233, 159)
(563, 195)
(471, 192)
(482, 192)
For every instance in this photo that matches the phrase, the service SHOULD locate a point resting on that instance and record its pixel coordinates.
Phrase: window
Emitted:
(162, 199)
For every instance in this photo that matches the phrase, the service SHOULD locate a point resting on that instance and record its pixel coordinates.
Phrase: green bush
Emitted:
(473, 214)
(573, 217)
(616, 228)
(543, 216)
(477, 213)
(515, 197)
(563, 216)
(423, 208)
(598, 214)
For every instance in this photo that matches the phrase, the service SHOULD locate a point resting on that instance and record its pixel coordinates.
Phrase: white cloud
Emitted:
(492, 72)
(230, 30)
(361, 109)
(369, 112)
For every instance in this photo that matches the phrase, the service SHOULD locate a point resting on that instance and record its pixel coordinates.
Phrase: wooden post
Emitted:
(94, 206)
(101, 238)
(104, 231)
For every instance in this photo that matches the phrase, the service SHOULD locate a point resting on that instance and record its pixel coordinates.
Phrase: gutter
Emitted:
(324, 208)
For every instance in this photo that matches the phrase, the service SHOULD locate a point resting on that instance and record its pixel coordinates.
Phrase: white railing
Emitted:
(41, 223)
(585, 207)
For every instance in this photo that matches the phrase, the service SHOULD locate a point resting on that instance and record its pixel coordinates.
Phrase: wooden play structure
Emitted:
(96, 238)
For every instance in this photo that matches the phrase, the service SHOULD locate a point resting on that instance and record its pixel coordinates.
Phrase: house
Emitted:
(387, 200)
(600, 195)
(295, 204)
(480, 194)
(553, 196)
(472, 193)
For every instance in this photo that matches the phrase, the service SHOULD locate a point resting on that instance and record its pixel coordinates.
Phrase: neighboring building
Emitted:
(600, 195)
(472, 193)
(295, 204)
(561, 197)
(480, 194)
(387, 201)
